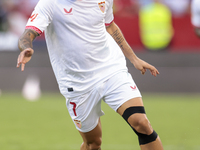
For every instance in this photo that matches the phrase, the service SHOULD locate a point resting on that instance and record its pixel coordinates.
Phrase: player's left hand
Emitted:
(143, 66)
(24, 57)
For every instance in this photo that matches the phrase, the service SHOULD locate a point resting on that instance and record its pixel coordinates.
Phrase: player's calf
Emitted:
(140, 124)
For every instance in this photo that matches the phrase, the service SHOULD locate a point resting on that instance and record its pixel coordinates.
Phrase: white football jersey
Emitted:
(82, 52)
(195, 7)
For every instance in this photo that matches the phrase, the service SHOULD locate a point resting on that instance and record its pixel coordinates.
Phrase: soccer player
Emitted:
(86, 50)
(195, 8)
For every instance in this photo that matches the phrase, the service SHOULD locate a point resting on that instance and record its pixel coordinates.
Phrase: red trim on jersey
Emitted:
(34, 28)
(107, 24)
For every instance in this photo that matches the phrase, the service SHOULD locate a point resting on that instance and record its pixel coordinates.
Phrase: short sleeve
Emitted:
(109, 13)
(195, 8)
(41, 16)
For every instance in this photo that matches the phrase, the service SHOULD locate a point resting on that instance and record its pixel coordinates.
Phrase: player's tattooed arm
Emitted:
(26, 39)
(117, 35)
(25, 45)
(139, 64)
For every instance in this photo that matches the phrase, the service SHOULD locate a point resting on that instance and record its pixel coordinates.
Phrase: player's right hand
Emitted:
(143, 66)
(24, 57)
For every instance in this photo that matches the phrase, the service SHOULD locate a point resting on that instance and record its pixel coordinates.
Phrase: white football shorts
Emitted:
(85, 110)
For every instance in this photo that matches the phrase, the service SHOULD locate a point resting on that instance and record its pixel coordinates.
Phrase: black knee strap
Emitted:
(132, 110)
(143, 138)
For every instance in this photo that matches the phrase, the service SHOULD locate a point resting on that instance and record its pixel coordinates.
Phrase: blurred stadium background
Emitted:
(178, 84)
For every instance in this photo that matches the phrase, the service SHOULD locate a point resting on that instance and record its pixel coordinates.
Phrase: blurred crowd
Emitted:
(13, 18)
(14, 15)
(155, 19)
(178, 8)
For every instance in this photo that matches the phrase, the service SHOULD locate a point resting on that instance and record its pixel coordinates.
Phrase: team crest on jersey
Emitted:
(33, 17)
(78, 123)
(102, 6)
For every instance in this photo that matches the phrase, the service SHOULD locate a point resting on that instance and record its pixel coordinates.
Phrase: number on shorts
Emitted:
(74, 107)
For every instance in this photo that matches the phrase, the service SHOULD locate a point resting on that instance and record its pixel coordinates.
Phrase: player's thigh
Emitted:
(122, 91)
(130, 103)
(85, 110)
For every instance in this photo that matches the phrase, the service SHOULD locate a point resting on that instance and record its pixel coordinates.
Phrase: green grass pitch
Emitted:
(46, 125)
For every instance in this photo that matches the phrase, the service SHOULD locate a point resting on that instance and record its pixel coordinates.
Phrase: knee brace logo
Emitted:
(78, 123)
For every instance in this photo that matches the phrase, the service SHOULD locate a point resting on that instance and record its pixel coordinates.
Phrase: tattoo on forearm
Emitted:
(24, 43)
(118, 37)
(26, 39)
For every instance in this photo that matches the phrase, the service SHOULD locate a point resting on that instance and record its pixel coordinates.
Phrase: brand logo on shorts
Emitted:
(102, 6)
(134, 88)
(68, 12)
(78, 123)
